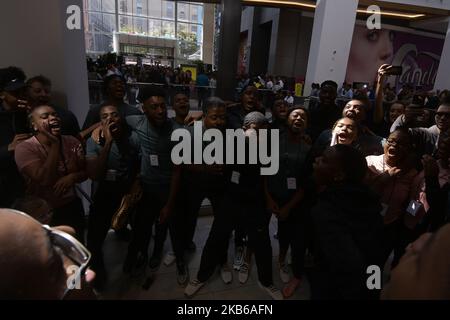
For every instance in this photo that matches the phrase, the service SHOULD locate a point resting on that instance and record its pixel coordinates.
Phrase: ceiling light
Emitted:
(313, 6)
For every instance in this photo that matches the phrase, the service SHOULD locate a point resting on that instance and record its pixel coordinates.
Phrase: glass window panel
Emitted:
(140, 8)
(99, 42)
(89, 40)
(154, 8)
(154, 28)
(182, 31)
(140, 25)
(126, 6)
(196, 13)
(109, 22)
(183, 11)
(108, 42)
(95, 22)
(125, 24)
(168, 10)
(189, 50)
(109, 6)
(198, 30)
(94, 5)
(168, 29)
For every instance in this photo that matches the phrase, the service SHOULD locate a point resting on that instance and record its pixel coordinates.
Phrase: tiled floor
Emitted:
(165, 286)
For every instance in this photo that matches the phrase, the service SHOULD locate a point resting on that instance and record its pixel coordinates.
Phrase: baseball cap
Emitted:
(14, 85)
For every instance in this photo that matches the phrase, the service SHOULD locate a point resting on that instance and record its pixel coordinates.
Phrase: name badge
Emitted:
(384, 209)
(154, 160)
(111, 175)
(291, 183)
(235, 176)
(414, 207)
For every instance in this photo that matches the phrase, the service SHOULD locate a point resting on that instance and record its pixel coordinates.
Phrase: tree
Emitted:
(187, 43)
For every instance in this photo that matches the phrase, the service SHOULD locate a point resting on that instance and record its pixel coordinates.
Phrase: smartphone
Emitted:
(395, 70)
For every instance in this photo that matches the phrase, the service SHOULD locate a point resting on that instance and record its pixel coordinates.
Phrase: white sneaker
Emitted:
(169, 259)
(193, 287)
(238, 258)
(272, 291)
(226, 274)
(244, 272)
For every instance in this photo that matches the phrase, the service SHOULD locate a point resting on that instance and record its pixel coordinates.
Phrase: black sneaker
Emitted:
(182, 274)
(154, 263)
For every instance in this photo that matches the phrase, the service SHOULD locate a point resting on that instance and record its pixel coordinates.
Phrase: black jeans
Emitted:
(148, 209)
(106, 201)
(293, 232)
(70, 214)
(251, 211)
(184, 220)
(202, 94)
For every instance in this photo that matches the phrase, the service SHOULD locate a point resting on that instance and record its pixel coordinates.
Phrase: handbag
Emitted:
(127, 206)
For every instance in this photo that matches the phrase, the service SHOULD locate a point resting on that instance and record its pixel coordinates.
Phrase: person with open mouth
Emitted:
(52, 164)
(345, 131)
(392, 175)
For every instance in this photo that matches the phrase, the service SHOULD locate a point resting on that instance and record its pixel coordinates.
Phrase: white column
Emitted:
(74, 63)
(331, 41)
(442, 78)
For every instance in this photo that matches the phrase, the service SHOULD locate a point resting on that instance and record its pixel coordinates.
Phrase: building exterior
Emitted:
(167, 32)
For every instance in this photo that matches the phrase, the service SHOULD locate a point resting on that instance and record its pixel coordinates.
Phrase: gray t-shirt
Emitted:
(121, 162)
(176, 125)
(155, 149)
(425, 139)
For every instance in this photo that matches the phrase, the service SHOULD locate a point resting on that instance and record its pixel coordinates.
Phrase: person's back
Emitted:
(348, 225)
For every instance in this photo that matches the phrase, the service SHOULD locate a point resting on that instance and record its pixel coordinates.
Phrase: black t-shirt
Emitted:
(322, 117)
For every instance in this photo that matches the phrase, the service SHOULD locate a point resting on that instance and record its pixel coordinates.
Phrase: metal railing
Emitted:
(195, 93)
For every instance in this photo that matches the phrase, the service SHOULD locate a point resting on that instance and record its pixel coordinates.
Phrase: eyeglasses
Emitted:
(394, 143)
(66, 246)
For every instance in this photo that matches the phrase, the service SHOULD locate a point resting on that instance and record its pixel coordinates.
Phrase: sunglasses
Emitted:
(66, 246)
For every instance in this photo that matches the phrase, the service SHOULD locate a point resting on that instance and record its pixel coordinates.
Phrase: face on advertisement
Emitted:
(370, 49)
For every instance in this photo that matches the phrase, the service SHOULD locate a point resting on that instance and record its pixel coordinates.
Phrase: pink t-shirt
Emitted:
(396, 193)
(32, 152)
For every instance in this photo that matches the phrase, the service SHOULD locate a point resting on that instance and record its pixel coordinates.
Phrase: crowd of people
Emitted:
(355, 184)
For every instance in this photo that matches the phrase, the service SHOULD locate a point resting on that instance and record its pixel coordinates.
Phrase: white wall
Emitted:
(332, 35)
(35, 38)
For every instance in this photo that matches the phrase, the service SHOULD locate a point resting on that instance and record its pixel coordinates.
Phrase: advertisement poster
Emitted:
(418, 55)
